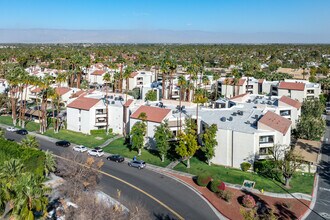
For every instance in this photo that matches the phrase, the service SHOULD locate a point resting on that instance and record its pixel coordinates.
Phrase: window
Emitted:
(79, 119)
(310, 91)
(285, 112)
(266, 139)
(79, 111)
(265, 151)
(79, 127)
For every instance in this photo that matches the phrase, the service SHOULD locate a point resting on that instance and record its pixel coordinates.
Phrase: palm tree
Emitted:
(216, 77)
(127, 73)
(49, 163)
(46, 92)
(164, 70)
(106, 79)
(30, 196)
(30, 142)
(205, 81)
(182, 85)
(12, 78)
(199, 99)
(61, 77)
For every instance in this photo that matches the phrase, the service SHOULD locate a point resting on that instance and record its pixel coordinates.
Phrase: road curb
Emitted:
(314, 196)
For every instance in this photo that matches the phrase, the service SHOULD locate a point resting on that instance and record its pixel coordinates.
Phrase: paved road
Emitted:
(175, 195)
(322, 205)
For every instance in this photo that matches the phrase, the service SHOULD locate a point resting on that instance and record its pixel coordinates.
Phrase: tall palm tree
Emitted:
(216, 77)
(199, 99)
(127, 73)
(12, 78)
(46, 92)
(182, 85)
(106, 79)
(164, 70)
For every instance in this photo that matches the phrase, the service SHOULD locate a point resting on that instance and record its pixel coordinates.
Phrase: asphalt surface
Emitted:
(322, 206)
(175, 195)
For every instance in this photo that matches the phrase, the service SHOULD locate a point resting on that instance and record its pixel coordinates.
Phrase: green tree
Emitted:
(30, 141)
(187, 146)
(151, 95)
(209, 142)
(162, 136)
(311, 128)
(49, 163)
(138, 132)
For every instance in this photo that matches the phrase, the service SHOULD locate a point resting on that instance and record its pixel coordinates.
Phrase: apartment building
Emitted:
(88, 112)
(140, 78)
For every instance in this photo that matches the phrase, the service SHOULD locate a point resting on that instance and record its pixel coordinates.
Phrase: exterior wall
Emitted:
(73, 123)
(150, 131)
(116, 119)
(132, 83)
(98, 79)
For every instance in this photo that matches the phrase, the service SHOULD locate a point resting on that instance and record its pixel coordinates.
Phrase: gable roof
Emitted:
(128, 103)
(98, 72)
(289, 101)
(154, 114)
(62, 90)
(83, 103)
(238, 96)
(230, 81)
(276, 122)
(292, 86)
(133, 74)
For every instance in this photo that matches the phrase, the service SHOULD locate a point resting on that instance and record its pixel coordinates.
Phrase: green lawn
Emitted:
(30, 126)
(118, 147)
(79, 138)
(299, 183)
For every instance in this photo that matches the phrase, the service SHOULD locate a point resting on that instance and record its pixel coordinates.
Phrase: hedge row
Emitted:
(33, 159)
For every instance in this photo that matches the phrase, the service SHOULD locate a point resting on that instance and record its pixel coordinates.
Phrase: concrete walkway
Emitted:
(107, 142)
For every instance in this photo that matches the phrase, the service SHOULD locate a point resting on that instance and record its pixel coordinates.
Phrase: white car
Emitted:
(12, 129)
(80, 148)
(96, 152)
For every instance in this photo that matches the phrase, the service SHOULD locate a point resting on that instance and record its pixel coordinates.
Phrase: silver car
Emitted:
(140, 164)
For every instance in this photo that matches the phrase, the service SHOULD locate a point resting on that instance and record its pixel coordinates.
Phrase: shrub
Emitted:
(100, 131)
(225, 195)
(203, 179)
(287, 205)
(217, 186)
(266, 168)
(248, 201)
(245, 166)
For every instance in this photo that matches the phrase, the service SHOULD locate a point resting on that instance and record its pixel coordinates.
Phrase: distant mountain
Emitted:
(151, 36)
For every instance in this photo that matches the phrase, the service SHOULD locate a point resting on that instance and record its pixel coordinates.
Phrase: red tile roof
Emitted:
(36, 90)
(62, 90)
(289, 101)
(154, 114)
(128, 103)
(77, 94)
(230, 81)
(276, 122)
(292, 86)
(83, 103)
(98, 72)
(133, 74)
(238, 96)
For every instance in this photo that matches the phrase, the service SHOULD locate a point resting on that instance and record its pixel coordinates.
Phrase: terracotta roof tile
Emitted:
(292, 86)
(154, 114)
(77, 94)
(98, 72)
(289, 101)
(238, 96)
(230, 81)
(128, 103)
(62, 90)
(276, 122)
(36, 90)
(133, 74)
(83, 103)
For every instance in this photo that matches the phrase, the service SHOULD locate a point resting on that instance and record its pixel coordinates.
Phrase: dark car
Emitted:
(22, 132)
(116, 158)
(140, 164)
(63, 143)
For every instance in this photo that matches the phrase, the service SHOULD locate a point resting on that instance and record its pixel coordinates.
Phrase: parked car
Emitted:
(116, 158)
(140, 164)
(96, 152)
(22, 132)
(63, 143)
(11, 129)
(80, 148)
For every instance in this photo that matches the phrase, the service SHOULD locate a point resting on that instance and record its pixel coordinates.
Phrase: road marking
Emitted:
(325, 189)
(325, 215)
(131, 185)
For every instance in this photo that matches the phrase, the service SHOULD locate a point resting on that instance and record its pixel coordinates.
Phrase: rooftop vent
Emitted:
(116, 98)
(234, 114)
(249, 101)
(247, 122)
(269, 103)
(230, 118)
(112, 102)
(256, 116)
(111, 97)
(240, 112)
(223, 119)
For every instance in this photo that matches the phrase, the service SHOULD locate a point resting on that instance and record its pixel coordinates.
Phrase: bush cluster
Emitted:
(217, 186)
(245, 166)
(203, 179)
(225, 195)
(33, 159)
(248, 201)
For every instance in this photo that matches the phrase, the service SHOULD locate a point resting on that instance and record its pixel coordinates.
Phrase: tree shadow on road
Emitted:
(163, 217)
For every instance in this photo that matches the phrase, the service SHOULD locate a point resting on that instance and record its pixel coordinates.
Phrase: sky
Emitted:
(259, 18)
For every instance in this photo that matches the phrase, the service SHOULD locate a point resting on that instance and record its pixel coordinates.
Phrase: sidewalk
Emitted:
(107, 142)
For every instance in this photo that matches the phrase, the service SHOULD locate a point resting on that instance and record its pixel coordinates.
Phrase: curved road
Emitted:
(180, 199)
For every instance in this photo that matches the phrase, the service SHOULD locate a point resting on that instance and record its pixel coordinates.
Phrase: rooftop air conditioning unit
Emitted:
(223, 119)
(112, 102)
(230, 118)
